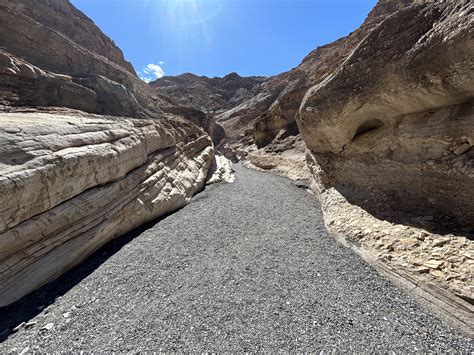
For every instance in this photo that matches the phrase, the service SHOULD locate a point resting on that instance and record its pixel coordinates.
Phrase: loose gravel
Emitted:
(247, 266)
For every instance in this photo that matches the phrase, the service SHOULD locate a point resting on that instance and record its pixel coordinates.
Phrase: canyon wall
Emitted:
(380, 124)
(393, 127)
(87, 150)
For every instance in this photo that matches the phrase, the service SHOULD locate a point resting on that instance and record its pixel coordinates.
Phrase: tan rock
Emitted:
(384, 133)
(441, 242)
(70, 184)
(433, 264)
(438, 274)
(409, 242)
(422, 270)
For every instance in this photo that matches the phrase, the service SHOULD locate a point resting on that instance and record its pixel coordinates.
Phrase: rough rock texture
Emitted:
(445, 260)
(210, 95)
(73, 24)
(209, 98)
(396, 119)
(70, 181)
(221, 170)
(86, 72)
(259, 110)
(390, 134)
(275, 109)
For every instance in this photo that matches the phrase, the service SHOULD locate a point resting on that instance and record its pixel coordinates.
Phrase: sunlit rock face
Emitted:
(51, 54)
(393, 127)
(272, 111)
(87, 150)
(215, 101)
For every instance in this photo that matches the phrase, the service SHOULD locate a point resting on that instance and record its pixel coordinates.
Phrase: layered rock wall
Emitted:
(70, 181)
(79, 75)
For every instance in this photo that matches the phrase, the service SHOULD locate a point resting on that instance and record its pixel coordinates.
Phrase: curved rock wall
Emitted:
(393, 127)
(71, 181)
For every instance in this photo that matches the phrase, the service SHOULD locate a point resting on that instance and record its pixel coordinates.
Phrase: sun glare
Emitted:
(189, 12)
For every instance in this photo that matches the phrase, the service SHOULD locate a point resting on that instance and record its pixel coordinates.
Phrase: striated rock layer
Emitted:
(87, 150)
(393, 128)
(87, 71)
(71, 183)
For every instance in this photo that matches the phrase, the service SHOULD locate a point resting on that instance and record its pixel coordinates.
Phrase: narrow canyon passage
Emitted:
(245, 266)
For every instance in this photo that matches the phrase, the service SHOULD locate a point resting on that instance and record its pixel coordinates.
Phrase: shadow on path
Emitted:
(29, 306)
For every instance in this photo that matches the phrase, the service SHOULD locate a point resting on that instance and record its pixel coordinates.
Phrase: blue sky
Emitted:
(216, 37)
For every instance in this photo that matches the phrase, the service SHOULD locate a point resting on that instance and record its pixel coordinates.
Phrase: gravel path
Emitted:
(245, 266)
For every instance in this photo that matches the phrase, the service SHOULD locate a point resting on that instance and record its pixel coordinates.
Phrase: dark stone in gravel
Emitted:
(247, 266)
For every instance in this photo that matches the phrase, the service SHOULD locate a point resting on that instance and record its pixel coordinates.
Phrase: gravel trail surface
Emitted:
(247, 266)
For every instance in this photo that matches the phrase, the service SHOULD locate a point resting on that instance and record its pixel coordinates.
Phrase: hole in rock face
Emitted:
(368, 126)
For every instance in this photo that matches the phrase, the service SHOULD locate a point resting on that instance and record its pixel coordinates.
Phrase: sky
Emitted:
(217, 37)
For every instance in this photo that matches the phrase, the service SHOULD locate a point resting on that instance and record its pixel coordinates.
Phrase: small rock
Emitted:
(409, 242)
(67, 314)
(438, 274)
(437, 256)
(422, 270)
(452, 275)
(417, 261)
(48, 327)
(468, 255)
(463, 148)
(441, 242)
(25, 350)
(454, 259)
(30, 324)
(433, 264)
(19, 326)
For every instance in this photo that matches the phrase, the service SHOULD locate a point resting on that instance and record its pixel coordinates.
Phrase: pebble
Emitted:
(19, 326)
(433, 264)
(47, 327)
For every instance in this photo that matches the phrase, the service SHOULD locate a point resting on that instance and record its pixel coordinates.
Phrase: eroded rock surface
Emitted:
(394, 126)
(70, 183)
(389, 127)
(211, 102)
(70, 179)
(208, 94)
(86, 72)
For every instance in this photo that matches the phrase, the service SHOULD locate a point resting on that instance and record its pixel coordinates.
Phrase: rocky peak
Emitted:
(208, 94)
(62, 17)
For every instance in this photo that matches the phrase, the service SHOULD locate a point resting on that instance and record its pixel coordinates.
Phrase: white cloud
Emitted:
(152, 72)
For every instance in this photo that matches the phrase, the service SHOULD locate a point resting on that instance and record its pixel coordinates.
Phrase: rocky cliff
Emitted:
(87, 150)
(259, 110)
(210, 95)
(396, 118)
(389, 131)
